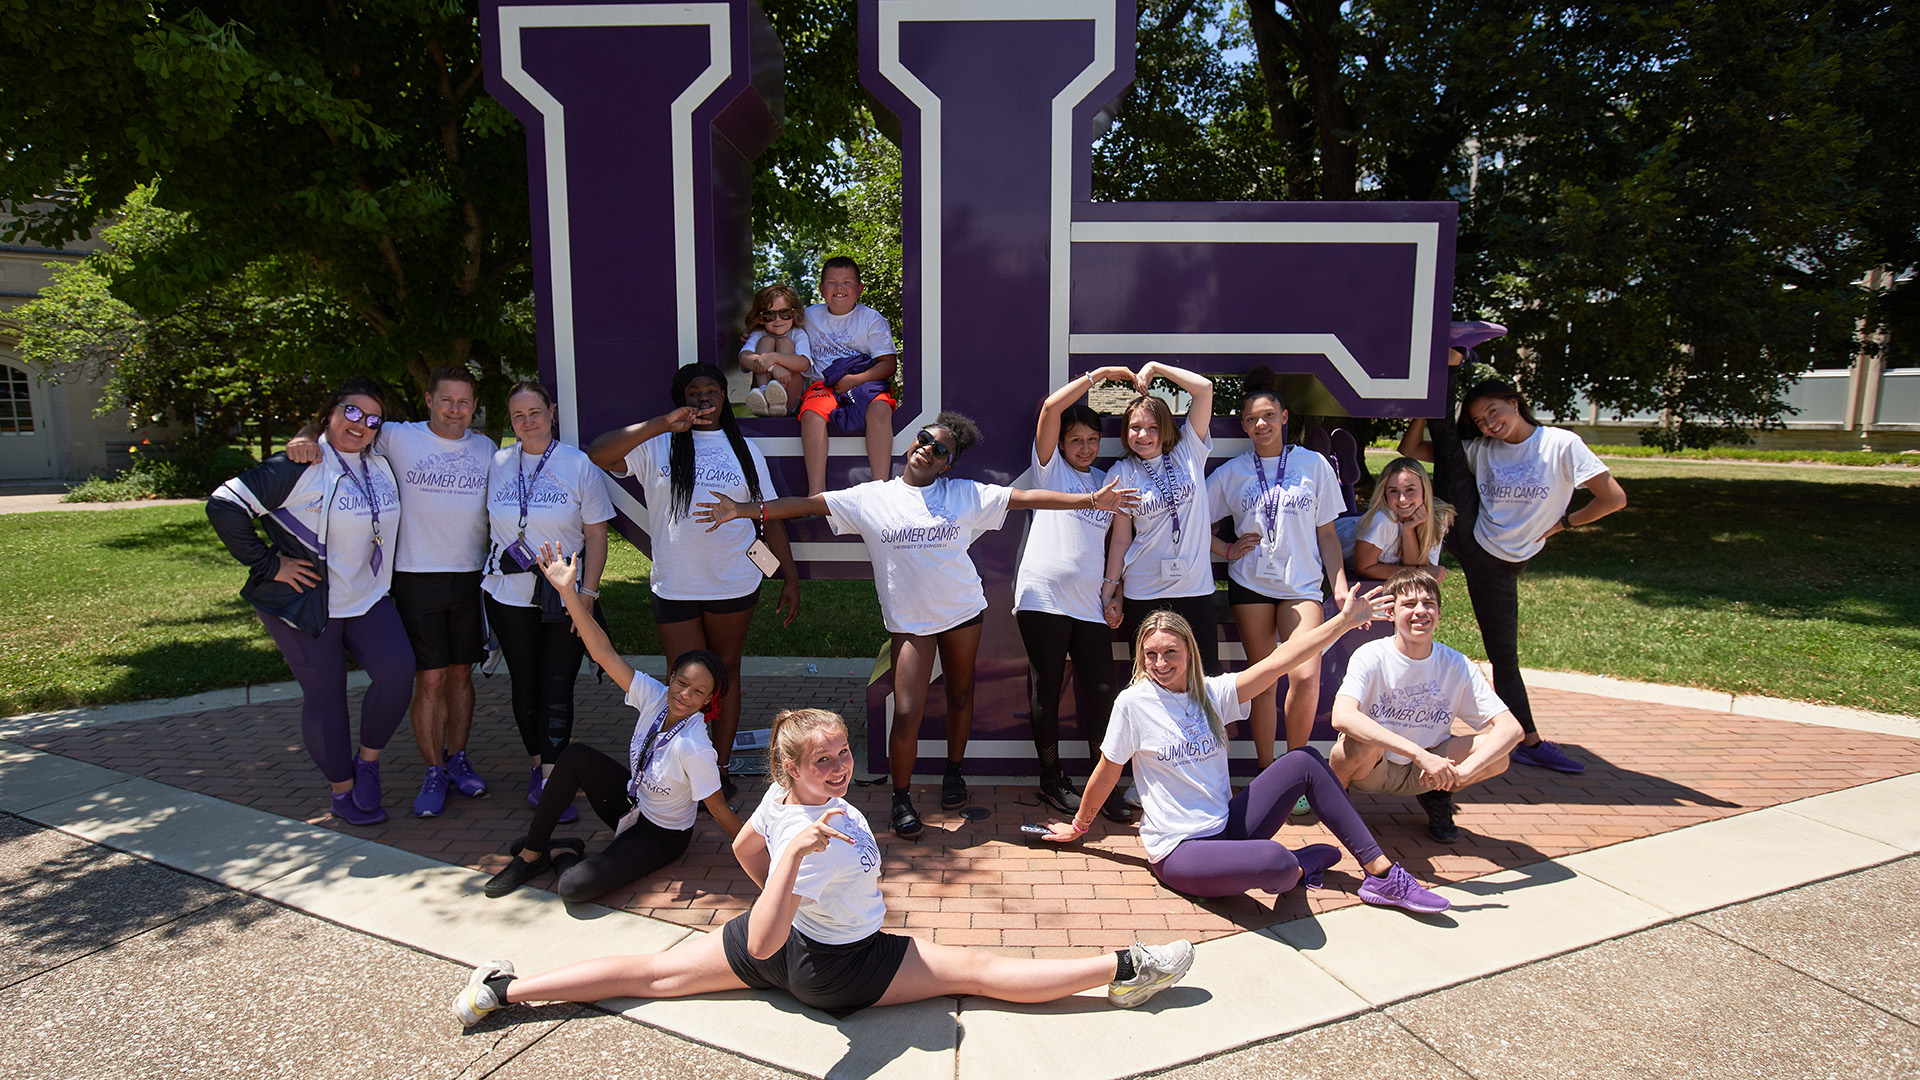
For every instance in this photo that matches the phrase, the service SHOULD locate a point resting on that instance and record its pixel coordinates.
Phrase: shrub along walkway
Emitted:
(1653, 769)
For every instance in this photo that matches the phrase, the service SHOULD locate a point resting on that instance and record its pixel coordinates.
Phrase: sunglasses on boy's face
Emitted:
(771, 314)
(355, 415)
(926, 439)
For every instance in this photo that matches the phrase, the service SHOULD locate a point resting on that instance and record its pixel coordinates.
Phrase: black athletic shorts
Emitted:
(1240, 594)
(673, 611)
(443, 618)
(839, 980)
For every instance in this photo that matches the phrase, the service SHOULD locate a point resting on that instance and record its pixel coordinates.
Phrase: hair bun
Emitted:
(1260, 378)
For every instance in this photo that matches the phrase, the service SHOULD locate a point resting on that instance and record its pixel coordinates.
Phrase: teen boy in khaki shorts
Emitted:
(1396, 708)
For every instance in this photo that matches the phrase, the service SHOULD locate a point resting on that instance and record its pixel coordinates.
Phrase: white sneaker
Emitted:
(757, 401)
(1155, 967)
(477, 999)
(776, 398)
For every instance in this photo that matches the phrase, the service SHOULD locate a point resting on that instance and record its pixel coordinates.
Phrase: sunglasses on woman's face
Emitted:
(355, 415)
(926, 439)
(771, 314)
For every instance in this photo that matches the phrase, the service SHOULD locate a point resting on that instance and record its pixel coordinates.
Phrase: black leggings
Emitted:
(642, 849)
(543, 658)
(1050, 640)
(1200, 613)
(1493, 583)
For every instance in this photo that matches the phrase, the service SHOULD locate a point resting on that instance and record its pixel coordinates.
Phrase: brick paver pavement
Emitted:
(978, 882)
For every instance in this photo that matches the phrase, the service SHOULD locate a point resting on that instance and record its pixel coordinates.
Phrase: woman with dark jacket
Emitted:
(319, 582)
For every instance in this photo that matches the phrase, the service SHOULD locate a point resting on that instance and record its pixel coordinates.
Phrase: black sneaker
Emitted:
(517, 873)
(953, 791)
(906, 823)
(1057, 791)
(1116, 809)
(1440, 826)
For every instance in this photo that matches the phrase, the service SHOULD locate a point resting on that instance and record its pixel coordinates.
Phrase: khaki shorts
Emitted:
(1391, 778)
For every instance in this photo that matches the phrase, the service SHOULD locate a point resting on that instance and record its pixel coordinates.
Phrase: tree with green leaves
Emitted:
(252, 354)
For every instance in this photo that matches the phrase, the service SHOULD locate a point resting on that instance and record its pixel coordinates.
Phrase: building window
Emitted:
(16, 403)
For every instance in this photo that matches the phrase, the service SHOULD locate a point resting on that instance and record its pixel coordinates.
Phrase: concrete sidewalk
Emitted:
(115, 966)
(262, 944)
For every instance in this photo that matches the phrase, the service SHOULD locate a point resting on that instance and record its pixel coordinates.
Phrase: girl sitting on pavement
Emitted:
(648, 802)
(815, 930)
(1200, 838)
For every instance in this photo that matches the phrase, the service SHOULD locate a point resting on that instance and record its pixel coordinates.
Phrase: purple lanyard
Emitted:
(365, 483)
(527, 486)
(1270, 496)
(1169, 491)
(640, 754)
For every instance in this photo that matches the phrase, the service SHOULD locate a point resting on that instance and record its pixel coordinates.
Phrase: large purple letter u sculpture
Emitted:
(642, 119)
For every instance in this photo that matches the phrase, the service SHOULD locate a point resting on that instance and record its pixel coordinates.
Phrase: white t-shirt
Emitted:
(1288, 566)
(690, 563)
(570, 495)
(802, 347)
(444, 484)
(1180, 767)
(353, 587)
(1384, 533)
(1526, 486)
(1065, 553)
(917, 540)
(860, 332)
(683, 769)
(1418, 700)
(1156, 567)
(842, 883)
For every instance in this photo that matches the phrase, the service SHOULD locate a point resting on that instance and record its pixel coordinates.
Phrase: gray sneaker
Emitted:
(477, 999)
(1155, 967)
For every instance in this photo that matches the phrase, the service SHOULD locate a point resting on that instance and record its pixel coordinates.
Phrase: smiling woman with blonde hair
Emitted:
(1200, 838)
(815, 930)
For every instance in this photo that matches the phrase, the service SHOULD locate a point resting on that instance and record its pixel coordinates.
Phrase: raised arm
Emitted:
(722, 509)
(1414, 443)
(610, 450)
(1046, 432)
(1110, 498)
(562, 572)
(1359, 610)
(1197, 386)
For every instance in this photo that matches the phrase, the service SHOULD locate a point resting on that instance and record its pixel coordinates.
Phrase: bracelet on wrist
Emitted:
(584, 591)
(1078, 829)
(1566, 521)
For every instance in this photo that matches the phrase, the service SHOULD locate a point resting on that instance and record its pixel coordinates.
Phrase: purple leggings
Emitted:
(1242, 856)
(378, 641)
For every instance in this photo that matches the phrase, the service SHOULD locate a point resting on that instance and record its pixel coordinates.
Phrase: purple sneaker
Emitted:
(1315, 860)
(1545, 755)
(433, 793)
(1398, 889)
(460, 773)
(537, 783)
(366, 785)
(345, 810)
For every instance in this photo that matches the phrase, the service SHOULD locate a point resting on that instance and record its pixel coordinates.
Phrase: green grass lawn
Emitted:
(118, 605)
(1790, 582)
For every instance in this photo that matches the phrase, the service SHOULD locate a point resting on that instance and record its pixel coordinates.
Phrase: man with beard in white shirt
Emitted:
(1396, 708)
(441, 470)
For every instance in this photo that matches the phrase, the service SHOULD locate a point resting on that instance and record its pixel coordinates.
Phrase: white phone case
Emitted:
(763, 557)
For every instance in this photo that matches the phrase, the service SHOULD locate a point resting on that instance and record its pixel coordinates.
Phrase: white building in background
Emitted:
(49, 431)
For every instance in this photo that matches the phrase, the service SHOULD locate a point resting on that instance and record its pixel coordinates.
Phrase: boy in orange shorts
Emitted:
(854, 352)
